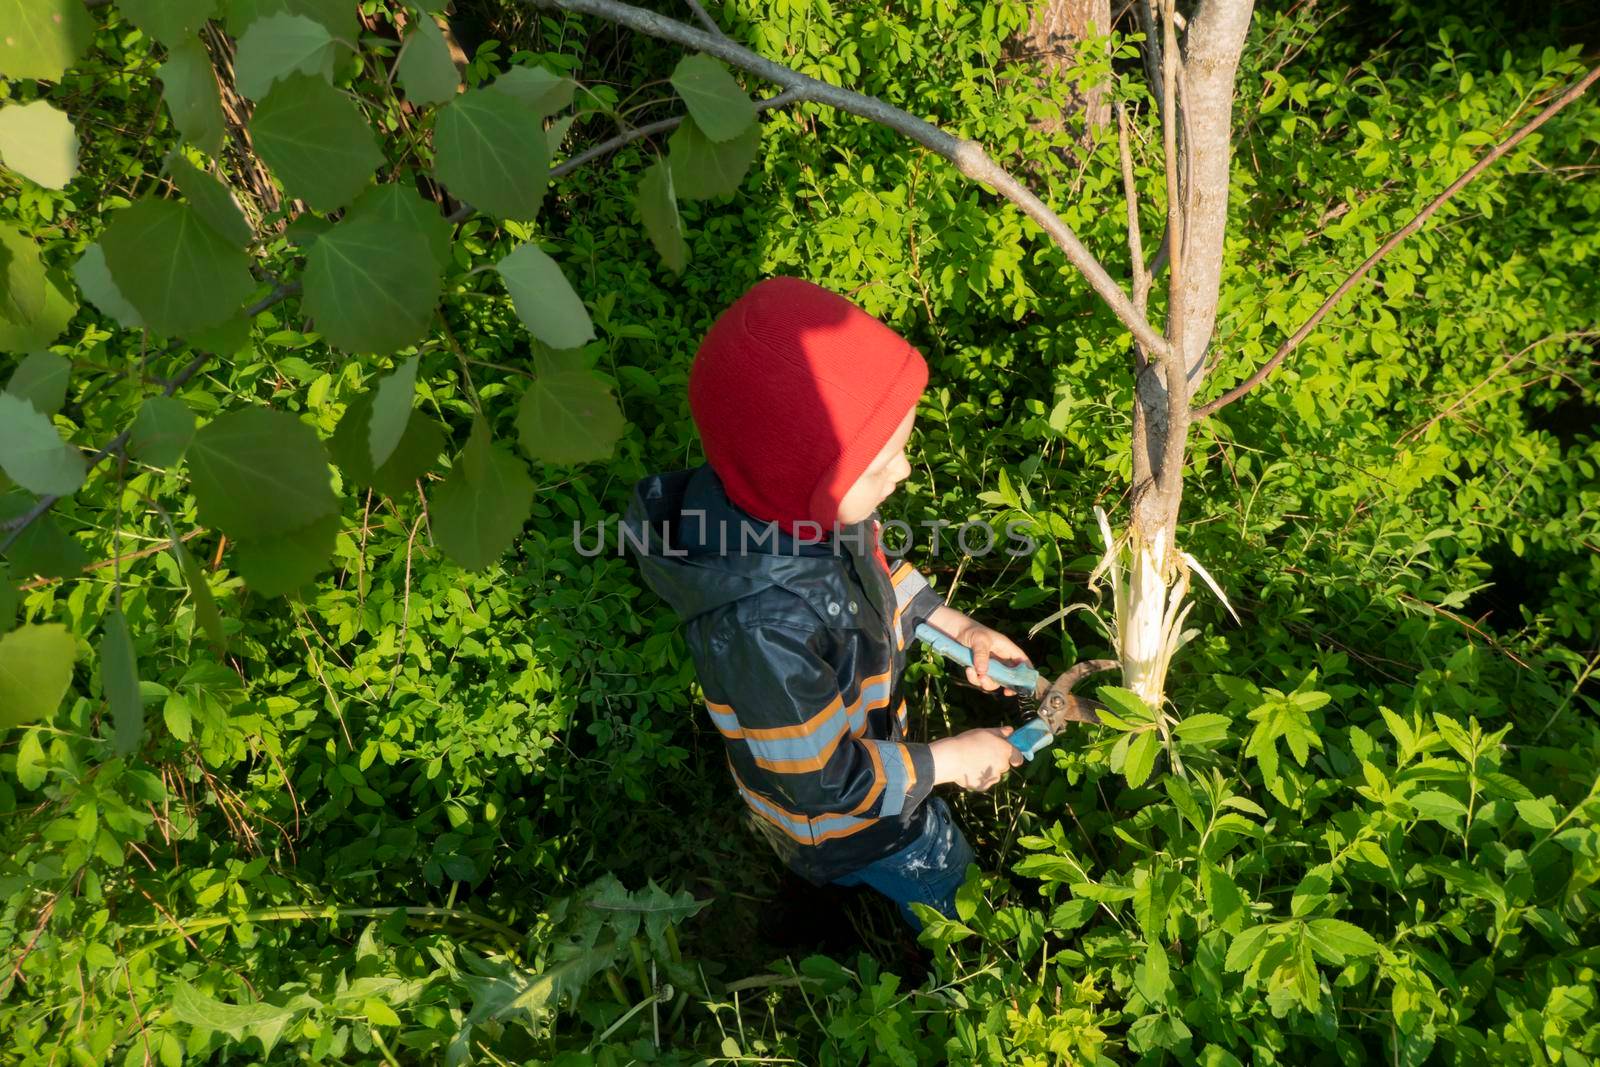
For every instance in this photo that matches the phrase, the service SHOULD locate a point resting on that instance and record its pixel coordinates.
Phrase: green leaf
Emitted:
(1334, 939)
(42, 38)
(720, 108)
(22, 271)
(1222, 893)
(178, 272)
(489, 151)
(391, 411)
(259, 473)
(33, 454)
(1126, 704)
(1311, 890)
(479, 509)
(205, 605)
(277, 46)
(537, 89)
(41, 380)
(41, 548)
(544, 299)
(161, 431)
(400, 206)
(205, 1013)
(171, 22)
(189, 86)
(316, 141)
(35, 670)
(416, 454)
(31, 769)
(39, 143)
(371, 286)
(94, 279)
(225, 338)
(275, 566)
(176, 715)
(378, 1013)
(1441, 807)
(1246, 947)
(44, 328)
(658, 210)
(1141, 759)
(569, 416)
(119, 677)
(1207, 728)
(426, 71)
(211, 200)
(1153, 977)
(703, 168)
(1538, 814)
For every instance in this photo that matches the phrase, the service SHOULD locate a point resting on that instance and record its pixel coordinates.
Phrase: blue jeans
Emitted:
(927, 871)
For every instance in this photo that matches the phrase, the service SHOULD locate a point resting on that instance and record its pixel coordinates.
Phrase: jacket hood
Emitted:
(699, 551)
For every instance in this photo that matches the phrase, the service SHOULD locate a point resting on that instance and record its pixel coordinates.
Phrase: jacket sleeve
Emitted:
(914, 600)
(776, 695)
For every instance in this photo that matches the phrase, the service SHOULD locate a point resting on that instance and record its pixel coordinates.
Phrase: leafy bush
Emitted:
(411, 812)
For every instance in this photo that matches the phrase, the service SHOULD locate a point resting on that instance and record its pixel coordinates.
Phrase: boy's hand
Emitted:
(976, 759)
(985, 642)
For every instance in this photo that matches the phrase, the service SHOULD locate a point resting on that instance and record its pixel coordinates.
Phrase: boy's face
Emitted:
(886, 471)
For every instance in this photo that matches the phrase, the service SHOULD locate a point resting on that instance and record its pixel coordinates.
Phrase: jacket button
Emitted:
(833, 607)
(852, 607)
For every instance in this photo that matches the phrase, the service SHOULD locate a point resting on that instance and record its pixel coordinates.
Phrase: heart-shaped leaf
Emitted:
(316, 141)
(371, 285)
(258, 473)
(490, 151)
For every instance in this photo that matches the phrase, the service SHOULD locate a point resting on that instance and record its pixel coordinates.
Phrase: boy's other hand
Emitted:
(976, 760)
(986, 642)
(983, 641)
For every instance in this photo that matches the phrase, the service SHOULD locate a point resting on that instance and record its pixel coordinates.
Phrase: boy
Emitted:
(798, 626)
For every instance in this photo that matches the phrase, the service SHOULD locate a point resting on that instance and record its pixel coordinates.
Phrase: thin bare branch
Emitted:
(1130, 193)
(1576, 90)
(703, 18)
(968, 156)
(1170, 472)
(1144, 10)
(1169, 138)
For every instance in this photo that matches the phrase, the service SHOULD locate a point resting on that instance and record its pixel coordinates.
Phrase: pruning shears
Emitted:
(1051, 704)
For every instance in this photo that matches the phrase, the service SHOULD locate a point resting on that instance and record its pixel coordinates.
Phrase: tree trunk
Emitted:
(1196, 92)
(1055, 35)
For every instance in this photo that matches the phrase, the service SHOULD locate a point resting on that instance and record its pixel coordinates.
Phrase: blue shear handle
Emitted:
(1029, 738)
(1021, 678)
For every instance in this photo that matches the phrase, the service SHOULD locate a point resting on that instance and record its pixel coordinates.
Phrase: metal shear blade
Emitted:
(1056, 703)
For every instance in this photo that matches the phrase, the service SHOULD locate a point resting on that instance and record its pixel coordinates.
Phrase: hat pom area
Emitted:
(795, 390)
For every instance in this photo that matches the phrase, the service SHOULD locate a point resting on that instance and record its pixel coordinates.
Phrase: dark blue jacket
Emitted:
(799, 649)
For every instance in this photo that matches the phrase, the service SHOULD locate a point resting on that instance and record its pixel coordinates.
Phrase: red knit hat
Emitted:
(794, 391)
